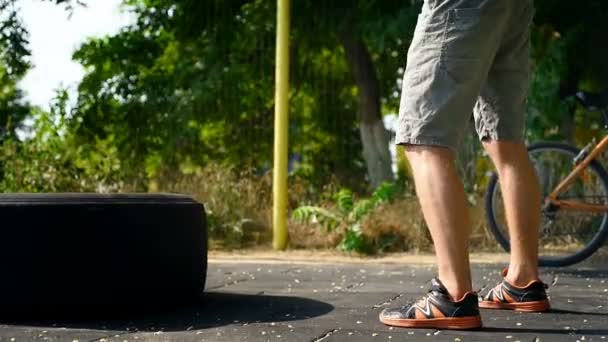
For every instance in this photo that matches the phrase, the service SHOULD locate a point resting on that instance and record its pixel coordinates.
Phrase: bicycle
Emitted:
(574, 187)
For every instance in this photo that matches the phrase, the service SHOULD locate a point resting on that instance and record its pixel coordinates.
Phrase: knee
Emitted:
(425, 158)
(419, 152)
(506, 154)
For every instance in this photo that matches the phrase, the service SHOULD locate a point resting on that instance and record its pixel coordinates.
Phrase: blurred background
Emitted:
(178, 95)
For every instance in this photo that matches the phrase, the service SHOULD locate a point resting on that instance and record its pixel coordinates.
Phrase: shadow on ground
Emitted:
(590, 273)
(544, 331)
(571, 312)
(216, 309)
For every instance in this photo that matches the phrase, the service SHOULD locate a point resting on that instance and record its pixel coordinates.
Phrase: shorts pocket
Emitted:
(464, 34)
(430, 29)
(464, 19)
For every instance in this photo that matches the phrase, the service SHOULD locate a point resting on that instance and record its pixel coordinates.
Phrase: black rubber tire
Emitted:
(596, 242)
(96, 253)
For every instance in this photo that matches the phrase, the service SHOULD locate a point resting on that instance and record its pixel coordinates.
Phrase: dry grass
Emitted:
(395, 227)
(307, 236)
(239, 208)
(403, 219)
(482, 239)
(238, 204)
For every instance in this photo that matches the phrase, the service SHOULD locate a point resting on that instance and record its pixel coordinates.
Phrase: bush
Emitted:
(346, 217)
(238, 203)
(51, 159)
(387, 222)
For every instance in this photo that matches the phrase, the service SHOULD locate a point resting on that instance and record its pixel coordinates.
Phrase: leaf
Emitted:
(362, 208)
(322, 216)
(344, 199)
(355, 241)
(385, 192)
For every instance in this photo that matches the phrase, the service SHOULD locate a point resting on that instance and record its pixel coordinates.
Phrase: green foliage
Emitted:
(317, 215)
(567, 57)
(355, 241)
(362, 208)
(13, 66)
(347, 216)
(52, 161)
(180, 89)
(344, 200)
(177, 88)
(546, 109)
(384, 193)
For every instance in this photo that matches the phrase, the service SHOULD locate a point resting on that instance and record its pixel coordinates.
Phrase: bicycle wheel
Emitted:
(566, 236)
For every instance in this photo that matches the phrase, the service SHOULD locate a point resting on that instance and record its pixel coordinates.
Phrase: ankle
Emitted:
(521, 275)
(455, 288)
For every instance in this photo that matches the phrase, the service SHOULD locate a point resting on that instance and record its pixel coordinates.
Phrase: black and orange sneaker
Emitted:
(438, 310)
(530, 298)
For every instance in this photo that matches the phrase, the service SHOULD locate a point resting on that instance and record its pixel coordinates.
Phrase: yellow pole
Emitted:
(279, 189)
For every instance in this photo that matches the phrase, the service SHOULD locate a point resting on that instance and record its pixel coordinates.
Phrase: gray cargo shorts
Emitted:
(466, 55)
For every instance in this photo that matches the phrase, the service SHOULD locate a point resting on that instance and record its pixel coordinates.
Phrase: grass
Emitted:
(239, 209)
(396, 227)
(238, 204)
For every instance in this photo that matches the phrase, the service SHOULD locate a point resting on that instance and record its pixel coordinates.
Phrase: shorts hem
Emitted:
(501, 137)
(423, 141)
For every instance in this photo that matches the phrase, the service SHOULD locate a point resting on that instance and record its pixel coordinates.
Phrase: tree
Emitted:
(374, 136)
(370, 34)
(191, 82)
(568, 57)
(13, 66)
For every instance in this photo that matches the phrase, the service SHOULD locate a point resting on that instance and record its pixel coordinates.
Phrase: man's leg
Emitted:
(450, 303)
(442, 198)
(520, 289)
(499, 118)
(522, 200)
(448, 60)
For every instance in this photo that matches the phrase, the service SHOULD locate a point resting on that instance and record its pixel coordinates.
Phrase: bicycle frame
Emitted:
(576, 172)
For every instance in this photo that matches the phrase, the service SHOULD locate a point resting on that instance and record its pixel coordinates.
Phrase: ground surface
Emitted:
(327, 298)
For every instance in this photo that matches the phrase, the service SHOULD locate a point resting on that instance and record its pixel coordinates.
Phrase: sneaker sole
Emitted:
(536, 306)
(457, 323)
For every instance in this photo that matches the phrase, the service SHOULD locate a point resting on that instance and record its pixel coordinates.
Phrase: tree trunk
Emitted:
(374, 136)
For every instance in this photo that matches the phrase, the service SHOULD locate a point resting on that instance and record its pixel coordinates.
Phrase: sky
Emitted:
(54, 36)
